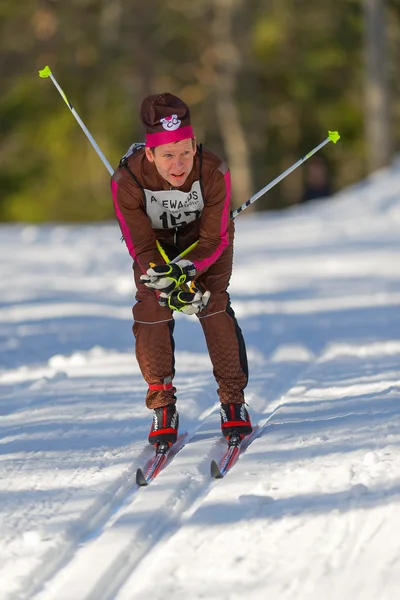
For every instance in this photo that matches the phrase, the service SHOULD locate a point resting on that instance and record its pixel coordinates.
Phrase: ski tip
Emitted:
(140, 478)
(46, 72)
(215, 470)
(334, 136)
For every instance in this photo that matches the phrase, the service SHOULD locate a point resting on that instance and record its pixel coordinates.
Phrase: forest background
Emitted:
(265, 80)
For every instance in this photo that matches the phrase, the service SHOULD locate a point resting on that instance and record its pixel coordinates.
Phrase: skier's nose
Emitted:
(178, 163)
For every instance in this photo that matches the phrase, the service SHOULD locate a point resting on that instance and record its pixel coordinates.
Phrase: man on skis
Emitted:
(168, 193)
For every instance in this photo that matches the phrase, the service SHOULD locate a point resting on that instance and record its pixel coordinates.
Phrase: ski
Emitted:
(228, 460)
(162, 455)
(236, 446)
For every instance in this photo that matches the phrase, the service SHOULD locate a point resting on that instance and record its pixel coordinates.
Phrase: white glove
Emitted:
(189, 303)
(167, 278)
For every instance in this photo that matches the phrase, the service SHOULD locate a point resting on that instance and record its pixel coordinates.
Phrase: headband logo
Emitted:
(170, 123)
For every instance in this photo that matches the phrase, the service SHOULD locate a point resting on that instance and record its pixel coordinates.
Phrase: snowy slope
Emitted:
(312, 508)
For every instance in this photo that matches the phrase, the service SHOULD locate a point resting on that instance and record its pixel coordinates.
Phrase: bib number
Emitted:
(170, 221)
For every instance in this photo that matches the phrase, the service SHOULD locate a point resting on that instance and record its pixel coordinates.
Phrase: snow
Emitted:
(312, 508)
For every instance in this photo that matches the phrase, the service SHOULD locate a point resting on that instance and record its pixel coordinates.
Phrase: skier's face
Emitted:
(174, 162)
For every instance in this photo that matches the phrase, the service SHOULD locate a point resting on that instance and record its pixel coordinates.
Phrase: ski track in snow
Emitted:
(145, 520)
(311, 508)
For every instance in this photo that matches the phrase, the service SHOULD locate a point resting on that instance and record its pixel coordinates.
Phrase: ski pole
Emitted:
(333, 136)
(46, 72)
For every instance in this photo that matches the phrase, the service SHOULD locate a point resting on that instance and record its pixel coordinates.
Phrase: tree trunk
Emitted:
(376, 86)
(226, 67)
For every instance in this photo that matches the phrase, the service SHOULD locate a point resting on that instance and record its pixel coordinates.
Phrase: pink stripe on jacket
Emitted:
(122, 222)
(224, 230)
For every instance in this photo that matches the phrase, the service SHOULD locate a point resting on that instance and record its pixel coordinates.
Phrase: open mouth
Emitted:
(177, 176)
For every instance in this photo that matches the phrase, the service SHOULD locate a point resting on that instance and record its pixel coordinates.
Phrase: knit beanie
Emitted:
(166, 119)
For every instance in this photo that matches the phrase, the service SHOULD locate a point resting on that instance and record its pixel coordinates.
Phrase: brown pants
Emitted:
(153, 329)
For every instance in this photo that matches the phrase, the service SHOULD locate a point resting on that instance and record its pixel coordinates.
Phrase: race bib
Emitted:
(168, 209)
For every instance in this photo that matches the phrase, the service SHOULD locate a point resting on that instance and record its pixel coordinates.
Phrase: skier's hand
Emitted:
(167, 278)
(188, 302)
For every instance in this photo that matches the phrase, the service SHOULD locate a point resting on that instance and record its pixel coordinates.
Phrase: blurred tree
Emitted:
(309, 61)
(265, 81)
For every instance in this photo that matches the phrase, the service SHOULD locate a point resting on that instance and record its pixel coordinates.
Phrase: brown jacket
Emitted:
(136, 176)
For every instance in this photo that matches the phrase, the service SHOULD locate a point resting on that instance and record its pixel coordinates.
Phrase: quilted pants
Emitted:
(153, 330)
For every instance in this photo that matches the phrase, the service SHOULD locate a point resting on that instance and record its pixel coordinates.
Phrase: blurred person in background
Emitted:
(168, 193)
(317, 180)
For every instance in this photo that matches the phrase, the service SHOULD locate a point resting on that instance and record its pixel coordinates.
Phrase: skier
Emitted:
(168, 193)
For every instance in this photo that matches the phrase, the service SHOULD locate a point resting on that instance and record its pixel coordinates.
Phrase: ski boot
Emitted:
(235, 421)
(164, 428)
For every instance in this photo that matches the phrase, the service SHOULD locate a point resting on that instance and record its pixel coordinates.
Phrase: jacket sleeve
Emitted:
(214, 222)
(134, 222)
